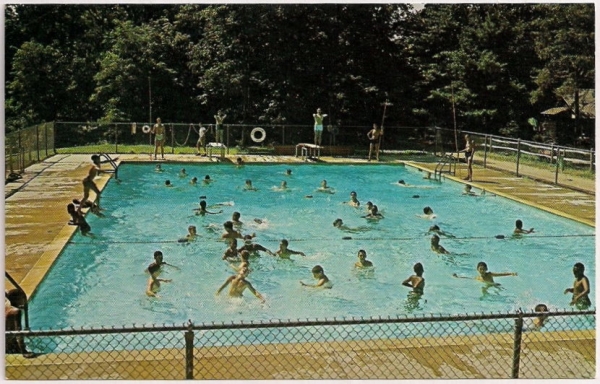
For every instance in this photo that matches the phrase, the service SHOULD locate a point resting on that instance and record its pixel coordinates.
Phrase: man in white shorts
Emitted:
(201, 140)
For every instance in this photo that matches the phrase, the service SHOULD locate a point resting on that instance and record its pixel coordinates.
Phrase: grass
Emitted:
(567, 169)
(147, 149)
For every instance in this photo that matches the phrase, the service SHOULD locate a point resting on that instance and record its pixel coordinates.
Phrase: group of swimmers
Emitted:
(238, 283)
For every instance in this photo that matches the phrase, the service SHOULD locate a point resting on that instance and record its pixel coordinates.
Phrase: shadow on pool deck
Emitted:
(36, 219)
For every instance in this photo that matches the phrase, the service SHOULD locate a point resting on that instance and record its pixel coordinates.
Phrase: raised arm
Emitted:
(500, 274)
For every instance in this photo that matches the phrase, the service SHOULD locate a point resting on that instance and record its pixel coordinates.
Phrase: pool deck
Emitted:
(36, 227)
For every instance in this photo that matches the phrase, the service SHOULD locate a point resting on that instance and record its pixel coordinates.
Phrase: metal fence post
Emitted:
(172, 139)
(37, 141)
(517, 346)
(485, 148)
(518, 155)
(189, 352)
(116, 138)
(46, 138)
(557, 165)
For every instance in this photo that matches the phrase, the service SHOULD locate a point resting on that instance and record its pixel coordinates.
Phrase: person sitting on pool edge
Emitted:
(284, 252)
(485, 276)
(416, 281)
(519, 228)
(362, 260)
(322, 279)
(238, 284)
(436, 247)
(581, 288)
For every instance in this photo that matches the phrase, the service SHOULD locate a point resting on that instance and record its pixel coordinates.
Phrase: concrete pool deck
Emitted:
(36, 227)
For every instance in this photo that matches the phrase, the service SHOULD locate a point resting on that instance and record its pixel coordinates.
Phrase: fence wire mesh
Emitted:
(521, 345)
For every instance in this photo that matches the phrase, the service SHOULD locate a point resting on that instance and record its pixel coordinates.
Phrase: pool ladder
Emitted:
(111, 161)
(447, 159)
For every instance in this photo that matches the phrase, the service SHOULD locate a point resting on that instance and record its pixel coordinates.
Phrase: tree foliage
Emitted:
(496, 65)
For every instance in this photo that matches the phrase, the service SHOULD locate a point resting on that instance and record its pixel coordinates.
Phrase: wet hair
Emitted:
(362, 251)
(374, 209)
(427, 210)
(203, 204)
(207, 177)
(468, 186)
(239, 160)
(158, 253)
(248, 181)
(95, 158)
(182, 170)
(434, 228)
(317, 269)
(418, 268)
(191, 227)
(353, 193)
(284, 242)
(247, 237)
(401, 182)
(580, 268)
(168, 182)
(228, 225)
(541, 308)
(194, 178)
(236, 213)
(482, 264)
(336, 221)
(519, 224)
(369, 203)
(289, 171)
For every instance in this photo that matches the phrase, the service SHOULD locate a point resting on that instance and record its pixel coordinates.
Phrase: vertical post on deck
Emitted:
(37, 141)
(557, 165)
(485, 148)
(517, 346)
(518, 155)
(189, 352)
(172, 139)
(116, 138)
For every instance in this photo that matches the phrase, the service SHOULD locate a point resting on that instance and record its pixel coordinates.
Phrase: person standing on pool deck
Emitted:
(374, 136)
(201, 143)
(318, 125)
(238, 284)
(284, 252)
(469, 153)
(416, 281)
(581, 288)
(158, 130)
(219, 118)
(322, 279)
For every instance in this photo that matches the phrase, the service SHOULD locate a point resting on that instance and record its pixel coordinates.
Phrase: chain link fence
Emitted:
(28, 146)
(519, 345)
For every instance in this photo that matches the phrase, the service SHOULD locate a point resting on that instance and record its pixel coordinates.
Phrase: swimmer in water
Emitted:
(249, 187)
(191, 236)
(231, 252)
(427, 213)
(538, 322)
(203, 211)
(362, 260)
(436, 229)
(374, 214)
(244, 262)
(416, 281)
(282, 186)
(325, 188)
(207, 179)
(284, 252)
(519, 228)
(239, 162)
(238, 284)
(235, 219)
(339, 224)
(182, 173)
(231, 233)
(436, 247)
(581, 288)
(485, 276)
(253, 248)
(322, 279)
(168, 184)
(288, 172)
(467, 191)
(158, 168)
(194, 180)
(353, 200)
(153, 285)
(158, 263)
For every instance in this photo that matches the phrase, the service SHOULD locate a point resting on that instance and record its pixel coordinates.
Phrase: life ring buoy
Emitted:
(146, 129)
(261, 138)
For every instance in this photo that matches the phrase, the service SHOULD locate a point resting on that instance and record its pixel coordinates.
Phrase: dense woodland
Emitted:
(499, 64)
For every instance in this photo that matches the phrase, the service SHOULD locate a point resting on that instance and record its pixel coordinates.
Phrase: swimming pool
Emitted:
(101, 281)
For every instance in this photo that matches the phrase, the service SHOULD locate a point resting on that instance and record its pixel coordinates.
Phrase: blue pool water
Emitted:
(101, 281)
